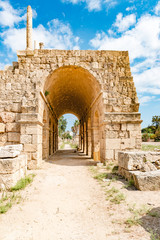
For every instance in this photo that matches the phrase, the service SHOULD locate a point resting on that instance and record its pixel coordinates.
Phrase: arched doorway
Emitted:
(72, 89)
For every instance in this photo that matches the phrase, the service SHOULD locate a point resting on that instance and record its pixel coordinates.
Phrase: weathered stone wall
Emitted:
(23, 101)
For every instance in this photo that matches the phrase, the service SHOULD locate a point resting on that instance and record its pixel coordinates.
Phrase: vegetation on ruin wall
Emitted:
(152, 131)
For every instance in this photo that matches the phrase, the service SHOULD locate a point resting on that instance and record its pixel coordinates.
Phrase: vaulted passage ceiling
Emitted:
(71, 90)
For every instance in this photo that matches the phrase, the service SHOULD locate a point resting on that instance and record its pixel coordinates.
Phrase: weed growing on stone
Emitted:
(154, 236)
(23, 182)
(139, 211)
(129, 184)
(154, 214)
(132, 221)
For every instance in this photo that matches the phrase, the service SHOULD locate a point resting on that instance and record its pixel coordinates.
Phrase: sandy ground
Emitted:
(64, 202)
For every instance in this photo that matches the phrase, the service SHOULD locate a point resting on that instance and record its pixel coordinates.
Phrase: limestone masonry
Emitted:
(142, 167)
(96, 86)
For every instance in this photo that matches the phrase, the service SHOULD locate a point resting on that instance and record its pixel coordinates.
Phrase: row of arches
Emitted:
(89, 136)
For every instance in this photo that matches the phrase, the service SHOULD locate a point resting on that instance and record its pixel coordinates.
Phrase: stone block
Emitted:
(124, 127)
(16, 107)
(13, 137)
(30, 148)
(109, 154)
(130, 127)
(128, 143)
(139, 160)
(12, 170)
(10, 151)
(31, 129)
(26, 139)
(7, 117)
(2, 127)
(3, 137)
(12, 127)
(113, 143)
(148, 181)
(11, 165)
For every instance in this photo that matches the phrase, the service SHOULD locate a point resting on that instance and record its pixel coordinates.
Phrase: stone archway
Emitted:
(73, 89)
(69, 81)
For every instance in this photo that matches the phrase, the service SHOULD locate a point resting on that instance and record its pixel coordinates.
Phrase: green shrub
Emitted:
(152, 136)
(157, 135)
(145, 137)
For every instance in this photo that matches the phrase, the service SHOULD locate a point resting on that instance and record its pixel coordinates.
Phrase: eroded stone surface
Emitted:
(143, 167)
(10, 151)
(11, 170)
(140, 160)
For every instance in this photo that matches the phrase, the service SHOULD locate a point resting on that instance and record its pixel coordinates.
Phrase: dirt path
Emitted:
(65, 203)
(67, 147)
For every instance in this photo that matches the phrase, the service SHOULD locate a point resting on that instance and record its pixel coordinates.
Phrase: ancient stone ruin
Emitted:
(96, 86)
(141, 167)
(13, 165)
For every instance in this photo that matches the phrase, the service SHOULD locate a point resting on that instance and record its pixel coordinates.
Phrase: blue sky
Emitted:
(132, 25)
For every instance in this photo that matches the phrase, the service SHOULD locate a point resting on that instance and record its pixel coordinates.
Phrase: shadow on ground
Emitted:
(70, 158)
(151, 223)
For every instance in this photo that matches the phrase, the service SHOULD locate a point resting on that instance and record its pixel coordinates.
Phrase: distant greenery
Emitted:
(75, 127)
(66, 135)
(152, 131)
(62, 124)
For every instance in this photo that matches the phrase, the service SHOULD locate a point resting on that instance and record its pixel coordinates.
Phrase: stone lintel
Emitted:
(122, 122)
(21, 53)
(122, 113)
(31, 122)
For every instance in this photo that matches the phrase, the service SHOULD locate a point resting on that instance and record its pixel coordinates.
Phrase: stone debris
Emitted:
(13, 165)
(143, 167)
(10, 151)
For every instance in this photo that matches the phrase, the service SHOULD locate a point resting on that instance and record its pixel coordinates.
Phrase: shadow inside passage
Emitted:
(70, 157)
(151, 222)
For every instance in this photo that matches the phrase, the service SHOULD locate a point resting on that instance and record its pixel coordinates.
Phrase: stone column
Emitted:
(89, 138)
(29, 29)
(31, 138)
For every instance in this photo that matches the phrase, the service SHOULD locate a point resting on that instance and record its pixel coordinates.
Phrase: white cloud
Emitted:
(14, 38)
(157, 8)
(145, 99)
(130, 8)
(124, 23)
(143, 44)
(58, 35)
(139, 40)
(148, 81)
(8, 15)
(92, 5)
